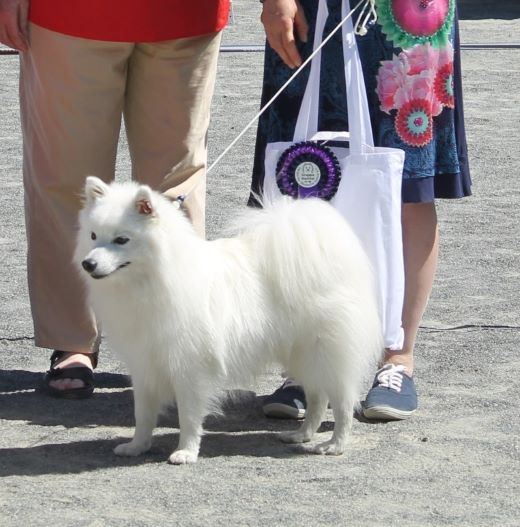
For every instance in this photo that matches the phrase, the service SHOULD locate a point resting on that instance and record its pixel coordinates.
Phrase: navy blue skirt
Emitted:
(413, 88)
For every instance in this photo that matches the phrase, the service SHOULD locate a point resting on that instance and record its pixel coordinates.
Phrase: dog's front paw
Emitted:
(294, 437)
(183, 457)
(131, 449)
(329, 448)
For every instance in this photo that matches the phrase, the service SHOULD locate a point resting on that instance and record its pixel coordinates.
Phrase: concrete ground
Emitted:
(455, 463)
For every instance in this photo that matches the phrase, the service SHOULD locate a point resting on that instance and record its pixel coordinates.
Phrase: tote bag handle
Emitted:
(358, 115)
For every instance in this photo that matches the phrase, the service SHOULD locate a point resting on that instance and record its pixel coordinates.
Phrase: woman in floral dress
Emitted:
(411, 63)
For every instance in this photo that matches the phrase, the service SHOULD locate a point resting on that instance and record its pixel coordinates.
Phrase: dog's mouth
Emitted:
(98, 276)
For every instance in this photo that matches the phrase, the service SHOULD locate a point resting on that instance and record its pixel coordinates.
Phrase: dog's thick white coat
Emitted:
(191, 317)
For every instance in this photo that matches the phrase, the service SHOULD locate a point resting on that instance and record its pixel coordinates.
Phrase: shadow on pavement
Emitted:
(90, 455)
(241, 430)
(17, 380)
(22, 399)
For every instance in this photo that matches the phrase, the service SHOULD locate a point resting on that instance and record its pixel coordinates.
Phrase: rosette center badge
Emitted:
(308, 169)
(307, 174)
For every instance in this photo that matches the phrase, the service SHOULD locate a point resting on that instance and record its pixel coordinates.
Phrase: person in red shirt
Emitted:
(85, 65)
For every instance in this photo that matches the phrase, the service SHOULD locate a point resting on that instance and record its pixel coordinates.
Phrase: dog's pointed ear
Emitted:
(95, 188)
(144, 201)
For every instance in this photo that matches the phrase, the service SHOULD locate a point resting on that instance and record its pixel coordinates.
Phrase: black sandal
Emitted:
(80, 372)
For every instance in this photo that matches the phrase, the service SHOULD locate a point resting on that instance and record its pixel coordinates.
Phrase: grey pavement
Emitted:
(455, 463)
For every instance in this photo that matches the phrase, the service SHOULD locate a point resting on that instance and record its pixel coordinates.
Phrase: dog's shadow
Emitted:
(77, 457)
(22, 398)
(240, 430)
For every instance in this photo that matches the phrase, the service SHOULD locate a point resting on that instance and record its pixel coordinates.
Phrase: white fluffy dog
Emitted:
(191, 318)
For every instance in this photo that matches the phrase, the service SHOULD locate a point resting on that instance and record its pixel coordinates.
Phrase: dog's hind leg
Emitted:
(343, 410)
(146, 409)
(316, 406)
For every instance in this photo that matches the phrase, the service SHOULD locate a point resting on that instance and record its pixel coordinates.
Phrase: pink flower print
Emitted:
(445, 55)
(419, 87)
(421, 17)
(421, 57)
(392, 75)
(415, 74)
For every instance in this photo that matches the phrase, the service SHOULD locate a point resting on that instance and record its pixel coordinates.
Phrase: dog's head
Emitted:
(116, 227)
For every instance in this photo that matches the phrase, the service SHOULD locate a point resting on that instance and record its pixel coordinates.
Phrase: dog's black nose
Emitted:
(89, 265)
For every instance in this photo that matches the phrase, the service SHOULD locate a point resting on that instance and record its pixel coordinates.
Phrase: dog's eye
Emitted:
(121, 240)
(93, 236)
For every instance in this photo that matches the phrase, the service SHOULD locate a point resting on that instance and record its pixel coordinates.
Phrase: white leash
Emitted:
(360, 30)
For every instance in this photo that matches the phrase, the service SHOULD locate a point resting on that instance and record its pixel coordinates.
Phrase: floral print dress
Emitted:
(411, 64)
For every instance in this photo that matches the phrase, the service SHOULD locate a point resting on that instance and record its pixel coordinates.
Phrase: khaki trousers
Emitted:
(73, 94)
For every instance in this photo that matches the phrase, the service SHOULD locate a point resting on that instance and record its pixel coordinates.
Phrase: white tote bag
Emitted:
(366, 179)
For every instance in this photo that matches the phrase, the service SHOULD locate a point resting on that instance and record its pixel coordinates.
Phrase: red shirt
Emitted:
(130, 20)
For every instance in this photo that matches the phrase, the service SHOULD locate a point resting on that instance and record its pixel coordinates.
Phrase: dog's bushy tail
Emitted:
(321, 273)
(305, 242)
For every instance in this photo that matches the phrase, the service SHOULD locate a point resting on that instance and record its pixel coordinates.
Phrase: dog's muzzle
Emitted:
(90, 265)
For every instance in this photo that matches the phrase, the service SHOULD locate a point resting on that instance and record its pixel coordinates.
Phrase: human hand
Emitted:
(14, 24)
(284, 20)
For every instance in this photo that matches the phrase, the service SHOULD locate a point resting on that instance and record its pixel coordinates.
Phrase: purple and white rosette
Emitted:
(308, 169)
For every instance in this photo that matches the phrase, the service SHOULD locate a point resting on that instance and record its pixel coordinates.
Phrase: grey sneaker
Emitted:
(392, 396)
(287, 402)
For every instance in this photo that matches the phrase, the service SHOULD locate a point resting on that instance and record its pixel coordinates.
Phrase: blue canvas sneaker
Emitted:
(392, 396)
(287, 402)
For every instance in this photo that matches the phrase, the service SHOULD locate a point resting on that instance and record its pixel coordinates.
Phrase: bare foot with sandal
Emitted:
(71, 375)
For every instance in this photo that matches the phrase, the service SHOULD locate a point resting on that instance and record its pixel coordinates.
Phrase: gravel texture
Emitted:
(455, 463)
